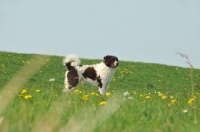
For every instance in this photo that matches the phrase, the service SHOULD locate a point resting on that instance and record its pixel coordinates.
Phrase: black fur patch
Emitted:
(73, 77)
(90, 73)
(99, 81)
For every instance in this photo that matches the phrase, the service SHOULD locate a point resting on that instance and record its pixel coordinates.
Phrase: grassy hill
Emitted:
(141, 97)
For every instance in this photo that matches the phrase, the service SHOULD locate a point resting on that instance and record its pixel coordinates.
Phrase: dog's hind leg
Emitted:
(71, 81)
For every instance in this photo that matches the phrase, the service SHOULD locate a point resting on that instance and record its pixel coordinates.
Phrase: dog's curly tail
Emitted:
(71, 61)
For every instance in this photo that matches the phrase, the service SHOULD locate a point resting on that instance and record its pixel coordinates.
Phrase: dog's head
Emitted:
(111, 61)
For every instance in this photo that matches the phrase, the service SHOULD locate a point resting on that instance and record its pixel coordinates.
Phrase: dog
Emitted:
(98, 74)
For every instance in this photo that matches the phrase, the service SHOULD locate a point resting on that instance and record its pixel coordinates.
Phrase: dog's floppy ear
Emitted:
(106, 59)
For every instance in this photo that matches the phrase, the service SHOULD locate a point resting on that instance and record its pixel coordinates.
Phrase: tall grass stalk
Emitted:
(192, 84)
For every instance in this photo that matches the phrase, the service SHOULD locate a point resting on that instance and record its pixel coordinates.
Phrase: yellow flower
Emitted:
(173, 101)
(93, 93)
(85, 97)
(164, 97)
(37, 91)
(141, 95)
(24, 91)
(134, 92)
(102, 103)
(160, 94)
(148, 97)
(108, 94)
(78, 91)
(97, 94)
(28, 97)
(190, 101)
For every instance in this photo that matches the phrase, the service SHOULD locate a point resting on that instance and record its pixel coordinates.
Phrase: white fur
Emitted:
(102, 70)
(72, 58)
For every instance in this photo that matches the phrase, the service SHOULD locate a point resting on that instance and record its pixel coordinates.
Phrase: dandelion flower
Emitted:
(108, 94)
(164, 97)
(93, 93)
(102, 103)
(97, 94)
(28, 97)
(77, 91)
(173, 101)
(190, 101)
(148, 97)
(24, 91)
(160, 94)
(85, 97)
(37, 91)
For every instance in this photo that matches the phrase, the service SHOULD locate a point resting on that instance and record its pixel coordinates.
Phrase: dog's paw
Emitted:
(65, 90)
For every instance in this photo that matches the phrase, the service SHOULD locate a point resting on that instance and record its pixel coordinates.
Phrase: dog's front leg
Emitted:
(103, 90)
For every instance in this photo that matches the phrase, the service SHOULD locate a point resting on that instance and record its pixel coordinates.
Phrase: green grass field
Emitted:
(142, 97)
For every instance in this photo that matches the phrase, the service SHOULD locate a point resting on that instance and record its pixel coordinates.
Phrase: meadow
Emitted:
(142, 97)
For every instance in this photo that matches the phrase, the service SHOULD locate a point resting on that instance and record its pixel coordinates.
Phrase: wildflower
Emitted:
(134, 92)
(160, 94)
(28, 97)
(85, 97)
(190, 101)
(108, 94)
(51, 79)
(77, 91)
(93, 93)
(164, 97)
(171, 97)
(126, 93)
(97, 94)
(37, 91)
(148, 97)
(102, 103)
(185, 111)
(141, 95)
(173, 101)
(24, 91)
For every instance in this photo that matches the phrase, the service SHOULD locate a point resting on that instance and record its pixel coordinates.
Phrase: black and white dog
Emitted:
(97, 74)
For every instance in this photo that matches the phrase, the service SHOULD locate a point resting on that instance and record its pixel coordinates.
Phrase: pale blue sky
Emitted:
(133, 30)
